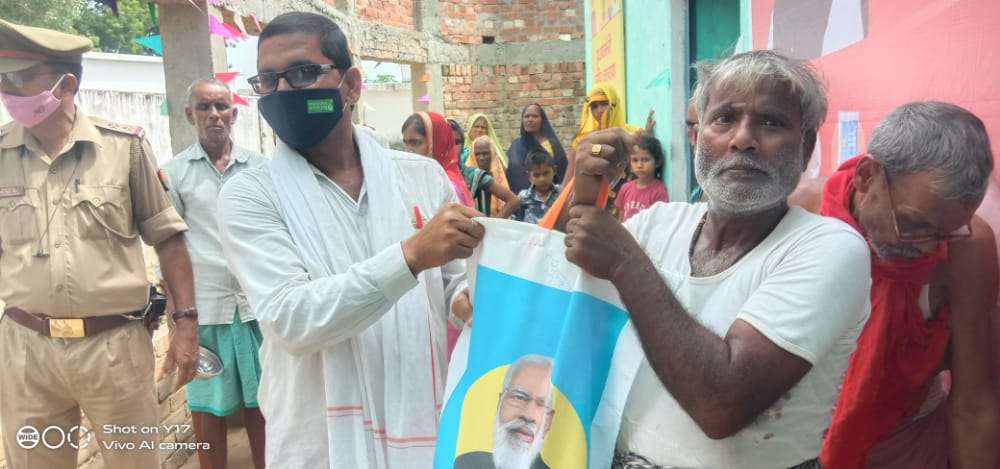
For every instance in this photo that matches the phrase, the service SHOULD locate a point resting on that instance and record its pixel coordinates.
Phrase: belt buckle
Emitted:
(66, 328)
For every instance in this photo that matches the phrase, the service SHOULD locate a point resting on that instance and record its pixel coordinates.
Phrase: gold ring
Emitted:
(595, 150)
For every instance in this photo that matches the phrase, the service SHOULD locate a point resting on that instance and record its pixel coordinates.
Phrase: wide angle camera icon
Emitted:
(52, 437)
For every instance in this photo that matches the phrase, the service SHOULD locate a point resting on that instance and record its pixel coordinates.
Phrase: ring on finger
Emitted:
(595, 149)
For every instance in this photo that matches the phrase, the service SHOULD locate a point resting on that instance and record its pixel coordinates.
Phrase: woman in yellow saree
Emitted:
(480, 125)
(602, 110)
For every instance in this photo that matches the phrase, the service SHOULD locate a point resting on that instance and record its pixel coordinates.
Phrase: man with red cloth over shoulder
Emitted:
(934, 283)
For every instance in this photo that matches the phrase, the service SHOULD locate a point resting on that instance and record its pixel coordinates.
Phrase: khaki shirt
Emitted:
(84, 213)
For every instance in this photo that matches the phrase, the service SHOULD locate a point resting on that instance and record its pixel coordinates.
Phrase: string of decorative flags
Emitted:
(231, 27)
(227, 28)
(227, 77)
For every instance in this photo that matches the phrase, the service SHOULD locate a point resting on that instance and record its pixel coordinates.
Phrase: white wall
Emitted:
(385, 107)
(123, 72)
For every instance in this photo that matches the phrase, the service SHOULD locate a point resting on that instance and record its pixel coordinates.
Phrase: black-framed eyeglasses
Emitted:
(299, 76)
(520, 399)
(917, 238)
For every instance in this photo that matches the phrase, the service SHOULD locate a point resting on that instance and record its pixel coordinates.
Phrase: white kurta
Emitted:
(353, 361)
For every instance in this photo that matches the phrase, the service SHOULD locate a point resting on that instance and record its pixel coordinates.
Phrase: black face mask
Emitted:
(303, 118)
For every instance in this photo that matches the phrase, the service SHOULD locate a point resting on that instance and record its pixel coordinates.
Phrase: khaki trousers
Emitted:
(46, 382)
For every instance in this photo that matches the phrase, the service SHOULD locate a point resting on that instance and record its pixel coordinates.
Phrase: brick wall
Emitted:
(459, 21)
(380, 42)
(467, 21)
(501, 91)
(399, 13)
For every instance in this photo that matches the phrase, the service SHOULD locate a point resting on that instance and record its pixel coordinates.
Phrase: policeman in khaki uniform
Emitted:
(76, 195)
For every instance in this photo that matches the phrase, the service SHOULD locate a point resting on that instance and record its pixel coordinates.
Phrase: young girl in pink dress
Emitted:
(646, 163)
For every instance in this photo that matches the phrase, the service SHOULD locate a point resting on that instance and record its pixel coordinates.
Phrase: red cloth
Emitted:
(918, 443)
(898, 352)
(633, 199)
(443, 150)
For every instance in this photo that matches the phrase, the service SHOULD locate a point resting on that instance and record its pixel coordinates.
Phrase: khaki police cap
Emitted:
(25, 46)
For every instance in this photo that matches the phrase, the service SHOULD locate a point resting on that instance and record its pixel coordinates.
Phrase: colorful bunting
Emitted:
(221, 29)
(151, 42)
(239, 35)
(226, 77)
(425, 77)
(425, 98)
(260, 25)
(251, 25)
(164, 108)
(229, 19)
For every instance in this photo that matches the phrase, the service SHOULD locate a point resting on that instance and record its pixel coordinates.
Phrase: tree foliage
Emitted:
(112, 33)
(89, 18)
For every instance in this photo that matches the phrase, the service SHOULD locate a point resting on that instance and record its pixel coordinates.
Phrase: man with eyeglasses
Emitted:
(934, 283)
(348, 253)
(524, 416)
(78, 196)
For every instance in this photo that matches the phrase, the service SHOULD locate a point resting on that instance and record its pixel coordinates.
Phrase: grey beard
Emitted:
(896, 251)
(746, 199)
(511, 453)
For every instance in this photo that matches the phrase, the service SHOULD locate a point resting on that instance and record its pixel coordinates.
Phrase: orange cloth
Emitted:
(898, 352)
(562, 203)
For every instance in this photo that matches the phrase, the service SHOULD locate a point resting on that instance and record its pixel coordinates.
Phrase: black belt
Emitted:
(68, 328)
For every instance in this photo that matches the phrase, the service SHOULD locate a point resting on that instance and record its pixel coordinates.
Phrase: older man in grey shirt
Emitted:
(226, 325)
